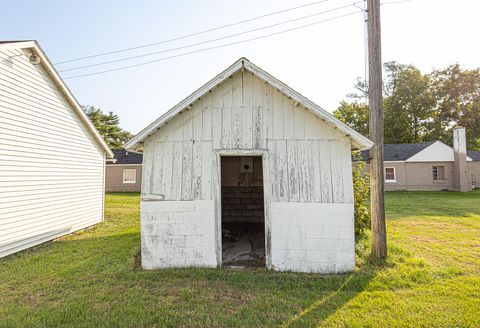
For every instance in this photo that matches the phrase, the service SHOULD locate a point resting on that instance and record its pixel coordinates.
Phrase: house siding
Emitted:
(418, 176)
(51, 168)
(306, 163)
(114, 178)
(474, 169)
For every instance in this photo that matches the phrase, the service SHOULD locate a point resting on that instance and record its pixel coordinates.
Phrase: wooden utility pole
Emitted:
(375, 113)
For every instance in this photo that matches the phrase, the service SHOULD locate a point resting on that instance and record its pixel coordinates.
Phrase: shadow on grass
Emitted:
(350, 286)
(102, 272)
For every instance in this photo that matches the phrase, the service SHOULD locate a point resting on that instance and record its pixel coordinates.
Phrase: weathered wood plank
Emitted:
(248, 89)
(197, 161)
(315, 167)
(325, 171)
(177, 171)
(289, 119)
(147, 168)
(336, 169)
(302, 168)
(268, 112)
(293, 175)
(167, 169)
(157, 175)
(273, 167)
(278, 115)
(237, 90)
(237, 126)
(217, 127)
(257, 121)
(187, 170)
(197, 121)
(258, 91)
(282, 171)
(347, 170)
(310, 126)
(207, 163)
(300, 123)
(247, 133)
(227, 95)
(188, 125)
(207, 123)
(226, 127)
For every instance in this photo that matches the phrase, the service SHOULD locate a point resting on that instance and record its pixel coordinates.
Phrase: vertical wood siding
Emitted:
(310, 160)
(51, 169)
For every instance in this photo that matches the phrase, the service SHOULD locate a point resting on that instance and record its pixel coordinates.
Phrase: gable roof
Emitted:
(358, 141)
(403, 152)
(35, 48)
(398, 152)
(122, 156)
(474, 155)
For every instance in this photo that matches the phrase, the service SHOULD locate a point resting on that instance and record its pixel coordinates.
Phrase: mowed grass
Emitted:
(91, 278)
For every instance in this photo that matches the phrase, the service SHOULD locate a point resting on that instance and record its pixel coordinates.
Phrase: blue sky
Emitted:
(322, 62)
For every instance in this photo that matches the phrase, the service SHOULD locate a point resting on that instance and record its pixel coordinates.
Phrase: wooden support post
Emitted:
(375, 87)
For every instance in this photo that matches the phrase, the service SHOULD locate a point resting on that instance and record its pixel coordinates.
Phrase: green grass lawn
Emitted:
(91, 278)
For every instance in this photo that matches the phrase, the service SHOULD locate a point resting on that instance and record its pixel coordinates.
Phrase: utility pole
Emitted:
(375, 113)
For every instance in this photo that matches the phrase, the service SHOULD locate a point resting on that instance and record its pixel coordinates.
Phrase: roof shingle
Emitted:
(399, 152)
(125, 157)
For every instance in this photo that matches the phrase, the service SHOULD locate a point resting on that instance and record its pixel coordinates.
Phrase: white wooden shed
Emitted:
(247, 149)
(51, 157)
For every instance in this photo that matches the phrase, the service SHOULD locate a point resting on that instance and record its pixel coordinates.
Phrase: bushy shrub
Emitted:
(361, 191)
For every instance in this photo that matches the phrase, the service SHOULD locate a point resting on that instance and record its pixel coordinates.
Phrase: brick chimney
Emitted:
(461, 181)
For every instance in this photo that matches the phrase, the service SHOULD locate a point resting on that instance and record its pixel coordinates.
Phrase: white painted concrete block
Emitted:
(178, 234)
(312, 237)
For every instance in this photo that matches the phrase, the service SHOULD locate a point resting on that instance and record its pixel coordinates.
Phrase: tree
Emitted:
(408, 104)
(420, 107)
(457, 98)
(107, 126)
(354, 114)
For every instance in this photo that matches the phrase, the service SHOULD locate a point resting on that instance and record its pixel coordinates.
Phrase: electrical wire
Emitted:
(211, 40)
(215, 47)
(192, 34)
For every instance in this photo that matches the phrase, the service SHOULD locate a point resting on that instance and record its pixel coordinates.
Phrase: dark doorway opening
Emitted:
(243, 215)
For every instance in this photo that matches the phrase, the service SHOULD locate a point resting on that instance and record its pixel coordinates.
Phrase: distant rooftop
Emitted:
(121, 156)
(399, 152)
(474, 155)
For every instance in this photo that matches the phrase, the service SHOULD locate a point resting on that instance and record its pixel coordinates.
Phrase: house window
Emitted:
(438, 173)
(129, 175)
(390, 174)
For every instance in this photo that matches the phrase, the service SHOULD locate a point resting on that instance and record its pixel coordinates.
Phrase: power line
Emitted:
(215, 47)
(211, 40)
(192, 34)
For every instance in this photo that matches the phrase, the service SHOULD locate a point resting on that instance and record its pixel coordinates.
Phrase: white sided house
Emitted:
(248, 171)
(52, 160)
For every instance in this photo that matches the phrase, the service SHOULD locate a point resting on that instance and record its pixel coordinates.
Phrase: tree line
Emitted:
(420, 107)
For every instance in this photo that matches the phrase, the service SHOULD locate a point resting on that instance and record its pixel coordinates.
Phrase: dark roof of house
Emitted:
(474, 155)
(399, 152)
(126, 157)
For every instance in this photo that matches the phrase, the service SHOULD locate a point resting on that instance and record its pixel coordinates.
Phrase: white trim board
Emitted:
(35, 48)
(358, 141)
